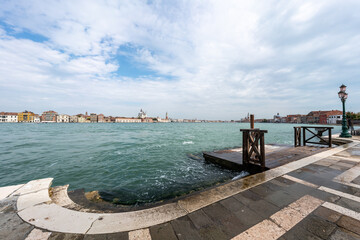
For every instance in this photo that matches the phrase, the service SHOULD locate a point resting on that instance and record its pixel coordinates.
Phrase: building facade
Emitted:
(37, 118)
(63, 118)
(100, 118)
(49, 116)
(26, 116)
(93, 117)
(73, 119)
(8, 117)
(333, 119)
(127, 120)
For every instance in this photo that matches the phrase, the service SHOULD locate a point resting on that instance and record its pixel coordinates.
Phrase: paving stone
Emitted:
(280, 198)
(263, 208)
(327, 214)
(298, 190)
(264, 230)
(282, 181)
(12, 227)
(206, 227)
(108, 236)
(287, 218)
(247, 197)
(325, 196)
(299, 233)
(261, 190)
(341, 234)
(243, 213)
(140, 234)
(350, 204)
(37, 234)
(349, 224)
(162, 231)
(185, 229)
(318, 226)
(225, 219)
(356, 180)
(65, 236)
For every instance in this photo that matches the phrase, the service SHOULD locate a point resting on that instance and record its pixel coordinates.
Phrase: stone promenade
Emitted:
(316, 197)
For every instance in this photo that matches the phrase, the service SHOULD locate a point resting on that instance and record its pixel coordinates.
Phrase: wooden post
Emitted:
(304, 138)
(262, 151)
(252, 121)
(330, 139)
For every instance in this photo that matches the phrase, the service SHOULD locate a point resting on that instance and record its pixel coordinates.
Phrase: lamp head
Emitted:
(343, 88)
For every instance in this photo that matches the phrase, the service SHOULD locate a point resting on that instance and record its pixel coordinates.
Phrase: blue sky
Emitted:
(193, 59)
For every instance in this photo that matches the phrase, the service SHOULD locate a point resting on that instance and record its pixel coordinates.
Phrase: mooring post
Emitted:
(252, 121)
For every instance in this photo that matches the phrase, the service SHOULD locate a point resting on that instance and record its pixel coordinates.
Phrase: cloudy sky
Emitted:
(194, 59)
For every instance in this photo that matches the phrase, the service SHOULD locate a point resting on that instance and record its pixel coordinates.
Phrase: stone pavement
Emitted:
(317, 197)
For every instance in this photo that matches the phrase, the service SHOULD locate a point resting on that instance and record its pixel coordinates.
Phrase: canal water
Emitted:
(128, 163)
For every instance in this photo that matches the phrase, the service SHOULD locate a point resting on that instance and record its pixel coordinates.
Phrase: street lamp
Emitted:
(343, 96)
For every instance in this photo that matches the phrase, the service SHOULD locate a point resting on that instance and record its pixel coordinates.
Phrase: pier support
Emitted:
(252, 154)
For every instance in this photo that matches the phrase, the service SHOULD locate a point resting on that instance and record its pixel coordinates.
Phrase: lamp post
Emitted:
(343, 96)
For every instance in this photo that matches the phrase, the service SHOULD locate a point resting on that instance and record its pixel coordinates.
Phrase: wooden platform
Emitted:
(276, 155)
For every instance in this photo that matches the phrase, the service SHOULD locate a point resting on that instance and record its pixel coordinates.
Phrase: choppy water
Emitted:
(132, 162)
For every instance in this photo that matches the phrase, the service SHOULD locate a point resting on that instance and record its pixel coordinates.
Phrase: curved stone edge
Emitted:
(9, 190)
(56, 218)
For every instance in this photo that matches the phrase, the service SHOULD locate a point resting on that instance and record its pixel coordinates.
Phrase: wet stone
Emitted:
(243, 213)
(261, 190)
(299, 233)
(263, 208)
(356, 180)
(11, 225)
(184, 229)
(325, 196)
(341, 234)
(280, 199)
(317, 226)
(247, 197)
(108, 236)
(225, 220)
(162, 231)
(327, 214)
(65, 236)
(298, 190)
(350, 204)
(206, 227)
(350, 224)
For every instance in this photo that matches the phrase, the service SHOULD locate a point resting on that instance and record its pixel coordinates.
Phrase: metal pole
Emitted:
(345, 130)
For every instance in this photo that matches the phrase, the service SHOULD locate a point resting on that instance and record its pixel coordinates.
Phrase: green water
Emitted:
(133, 162)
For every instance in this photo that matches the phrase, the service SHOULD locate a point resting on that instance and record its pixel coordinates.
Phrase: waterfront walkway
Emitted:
(316, 197)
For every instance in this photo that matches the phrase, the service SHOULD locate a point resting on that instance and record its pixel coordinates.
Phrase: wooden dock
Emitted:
(276, 155)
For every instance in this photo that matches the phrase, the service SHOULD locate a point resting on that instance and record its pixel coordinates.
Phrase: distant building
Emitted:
(9, 117)
(142, 114)
(127, 120)
(277, 118)
(73, 119)
(81, 119)
(100, 118)
(26, 116)
(63, 118)
(49, 116)
(334, 119)
(321, 117)
(37, 118)
(293, 118)
(93, 117)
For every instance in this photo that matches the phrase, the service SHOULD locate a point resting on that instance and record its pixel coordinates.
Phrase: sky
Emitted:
(203, 59)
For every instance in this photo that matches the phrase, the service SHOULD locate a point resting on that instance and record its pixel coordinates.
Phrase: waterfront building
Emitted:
(334, 119)
(296, 118)
(277, 118)
(142, 114)
(321, 117)
(49, 116)
(9, 117)
(37, 118)
(127, 120)
(81, 119)
(100, 118)
(73, 119)
(93, 117)
(26, 116)
(63, 118)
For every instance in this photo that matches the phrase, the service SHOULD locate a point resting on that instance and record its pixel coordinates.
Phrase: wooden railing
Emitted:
(297, 136)
(252, 154)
